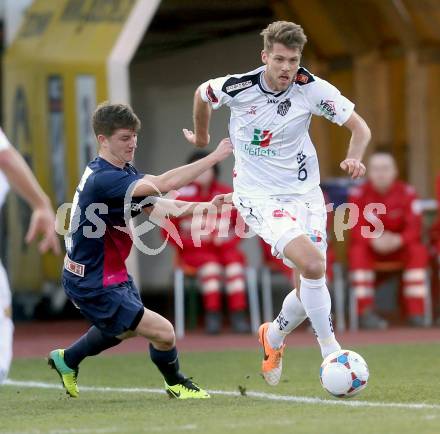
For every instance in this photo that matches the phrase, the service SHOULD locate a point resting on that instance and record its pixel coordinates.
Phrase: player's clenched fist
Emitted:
(353, 167)
(224, 149)
(196, 140)
(221, 199)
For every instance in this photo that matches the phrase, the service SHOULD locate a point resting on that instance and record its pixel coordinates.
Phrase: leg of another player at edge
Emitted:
(314, 296)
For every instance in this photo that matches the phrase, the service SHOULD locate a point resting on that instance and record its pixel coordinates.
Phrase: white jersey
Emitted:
(4, 142)
(4, 186)
(273, 151)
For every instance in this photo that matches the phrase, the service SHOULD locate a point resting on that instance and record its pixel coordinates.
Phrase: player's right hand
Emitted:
(224, 149)
(196, 140)
(43, 222)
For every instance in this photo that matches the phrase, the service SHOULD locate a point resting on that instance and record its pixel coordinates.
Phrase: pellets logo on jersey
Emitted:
(211, 95)
(283, 107)
(328, 109)
(261, 138)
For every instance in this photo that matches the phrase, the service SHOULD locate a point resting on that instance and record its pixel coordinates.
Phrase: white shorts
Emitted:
(281, 218)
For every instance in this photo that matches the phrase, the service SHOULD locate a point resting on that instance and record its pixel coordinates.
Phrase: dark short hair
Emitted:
(107, 118)
(198, 155)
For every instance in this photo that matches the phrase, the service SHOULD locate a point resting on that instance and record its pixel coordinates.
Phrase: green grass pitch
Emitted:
(405, 374)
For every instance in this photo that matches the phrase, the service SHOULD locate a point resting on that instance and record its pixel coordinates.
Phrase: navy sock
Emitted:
(90, 344)
(168, 364)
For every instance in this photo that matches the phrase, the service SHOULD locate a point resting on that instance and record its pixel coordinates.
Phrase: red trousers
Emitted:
(214, 266)
(414, 261)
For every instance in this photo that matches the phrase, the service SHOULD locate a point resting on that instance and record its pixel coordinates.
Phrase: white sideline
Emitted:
(260, 395)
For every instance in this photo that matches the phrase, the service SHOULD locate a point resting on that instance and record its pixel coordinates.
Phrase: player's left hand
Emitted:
(43, 222)
(199, 142)
(353, 167)
(221, 199)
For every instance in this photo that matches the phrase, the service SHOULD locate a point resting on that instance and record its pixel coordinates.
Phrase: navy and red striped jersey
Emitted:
(98, 242)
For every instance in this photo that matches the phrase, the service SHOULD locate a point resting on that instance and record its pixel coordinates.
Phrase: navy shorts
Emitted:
(113, 309)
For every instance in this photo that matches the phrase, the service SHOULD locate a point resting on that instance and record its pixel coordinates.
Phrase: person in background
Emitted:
(435, 240)
(16, 173)
(218, 259)
(400, 242)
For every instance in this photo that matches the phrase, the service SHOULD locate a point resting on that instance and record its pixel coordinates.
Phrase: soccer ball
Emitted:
(344, 374)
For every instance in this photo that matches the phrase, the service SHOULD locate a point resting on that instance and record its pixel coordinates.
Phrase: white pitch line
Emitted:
(101, 430)
(259, 395)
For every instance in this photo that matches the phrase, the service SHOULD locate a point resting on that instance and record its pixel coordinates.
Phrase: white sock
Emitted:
(317, 303)
(291, 316)
(6, 334)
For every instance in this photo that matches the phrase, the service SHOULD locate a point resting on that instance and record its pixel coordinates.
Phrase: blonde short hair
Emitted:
(284, 32)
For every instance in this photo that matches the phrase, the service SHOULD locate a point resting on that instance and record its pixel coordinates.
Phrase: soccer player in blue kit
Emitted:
(95, 277)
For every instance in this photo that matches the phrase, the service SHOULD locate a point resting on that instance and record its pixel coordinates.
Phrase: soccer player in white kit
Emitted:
(276, 175)
(20, 177)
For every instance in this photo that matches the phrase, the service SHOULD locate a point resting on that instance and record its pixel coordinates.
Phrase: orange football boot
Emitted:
(272, 364)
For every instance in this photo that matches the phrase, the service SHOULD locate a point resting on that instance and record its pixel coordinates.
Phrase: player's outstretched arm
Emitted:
(360, 136)
(182, 208)
(181, 176)
(23, 181)
(201, 117)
